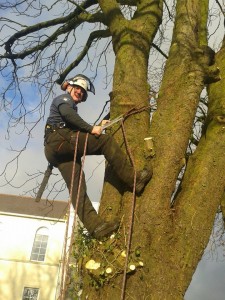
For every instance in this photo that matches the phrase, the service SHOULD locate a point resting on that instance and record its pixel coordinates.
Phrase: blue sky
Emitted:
(208, 281)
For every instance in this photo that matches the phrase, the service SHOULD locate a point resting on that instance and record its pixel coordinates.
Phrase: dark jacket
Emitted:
(64, 110)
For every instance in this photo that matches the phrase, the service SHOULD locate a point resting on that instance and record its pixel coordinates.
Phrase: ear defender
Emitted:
(64, 85)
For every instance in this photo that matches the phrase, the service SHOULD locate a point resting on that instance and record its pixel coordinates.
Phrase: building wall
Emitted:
(17, 271)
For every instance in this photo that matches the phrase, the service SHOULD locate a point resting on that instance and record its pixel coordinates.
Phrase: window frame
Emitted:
(40, 244)
(28, 297)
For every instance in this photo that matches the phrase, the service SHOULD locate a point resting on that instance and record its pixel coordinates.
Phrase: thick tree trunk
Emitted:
(204, 183)
(169, 241)
(131, 42)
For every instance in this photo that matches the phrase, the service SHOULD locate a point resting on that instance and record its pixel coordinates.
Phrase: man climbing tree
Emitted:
(64, 130)
(171, 226)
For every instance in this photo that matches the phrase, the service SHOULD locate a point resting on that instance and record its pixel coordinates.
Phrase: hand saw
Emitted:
(110, 123)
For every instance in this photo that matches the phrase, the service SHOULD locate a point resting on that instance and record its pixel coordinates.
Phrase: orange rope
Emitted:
(131, 216)
(66, 261)
(129, 113)
(67, 253)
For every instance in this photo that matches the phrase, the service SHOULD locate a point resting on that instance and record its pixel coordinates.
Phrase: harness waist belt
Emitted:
(55, 126)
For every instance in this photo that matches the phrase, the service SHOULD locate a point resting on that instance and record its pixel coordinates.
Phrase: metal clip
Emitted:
(62, 125)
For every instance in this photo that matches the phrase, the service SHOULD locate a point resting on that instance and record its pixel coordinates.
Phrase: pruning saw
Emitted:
(110, 123)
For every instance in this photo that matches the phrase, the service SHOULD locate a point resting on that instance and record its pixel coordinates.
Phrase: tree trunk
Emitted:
(169, 241)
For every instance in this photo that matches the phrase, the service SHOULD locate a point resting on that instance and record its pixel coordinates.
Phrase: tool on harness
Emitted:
(56, 126)
(51, 128)
(42, 187)
(110, 123)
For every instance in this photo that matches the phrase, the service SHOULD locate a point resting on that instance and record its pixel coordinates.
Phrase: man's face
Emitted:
(77, 93)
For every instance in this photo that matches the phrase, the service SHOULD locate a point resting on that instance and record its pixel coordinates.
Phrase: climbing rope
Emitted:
(67, 253)
(65, 258)
(131, 221)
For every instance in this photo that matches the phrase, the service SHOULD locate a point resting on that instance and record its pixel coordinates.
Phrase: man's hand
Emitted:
(97, 130)
(104, 122)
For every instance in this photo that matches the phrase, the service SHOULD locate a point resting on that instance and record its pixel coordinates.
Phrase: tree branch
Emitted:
(76, 14)
(93, 36)
(160, 51)
(71, 24)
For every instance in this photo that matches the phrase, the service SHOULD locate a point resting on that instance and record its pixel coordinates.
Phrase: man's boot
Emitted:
(143, 177)
(122, 167)
(105, 229)
(95, 225)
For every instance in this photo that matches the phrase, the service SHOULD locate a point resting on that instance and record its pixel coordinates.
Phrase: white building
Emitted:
(31, 239)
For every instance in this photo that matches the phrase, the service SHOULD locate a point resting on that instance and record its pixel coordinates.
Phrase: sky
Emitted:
(208, 281)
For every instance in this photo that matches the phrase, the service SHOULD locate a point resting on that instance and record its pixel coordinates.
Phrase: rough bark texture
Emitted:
(170, 240)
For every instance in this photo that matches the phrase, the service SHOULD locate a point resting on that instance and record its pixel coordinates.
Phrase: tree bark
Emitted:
(170, 240)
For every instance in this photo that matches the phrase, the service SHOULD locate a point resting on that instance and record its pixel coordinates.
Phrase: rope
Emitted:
(130, 112)
(77, 203)
(63, 275)
(131, 215)
(67, 253)
(126, 115)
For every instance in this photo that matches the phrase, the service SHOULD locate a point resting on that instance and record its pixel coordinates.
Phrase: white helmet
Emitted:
(81, 81)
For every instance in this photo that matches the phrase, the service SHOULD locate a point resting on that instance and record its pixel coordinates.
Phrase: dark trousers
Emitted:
(59, 151)
(85, 210)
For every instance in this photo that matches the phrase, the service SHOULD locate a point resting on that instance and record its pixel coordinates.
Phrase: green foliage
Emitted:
(79, 250)
(101, 260)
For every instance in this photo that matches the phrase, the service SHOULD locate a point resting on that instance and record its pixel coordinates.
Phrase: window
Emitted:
(40, 244)
(30, 293)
